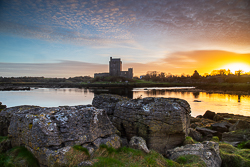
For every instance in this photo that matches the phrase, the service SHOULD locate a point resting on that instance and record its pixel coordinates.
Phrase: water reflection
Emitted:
(196, 94)
(199, 101)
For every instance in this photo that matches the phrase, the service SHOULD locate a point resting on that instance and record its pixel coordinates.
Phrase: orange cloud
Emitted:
(204, 61)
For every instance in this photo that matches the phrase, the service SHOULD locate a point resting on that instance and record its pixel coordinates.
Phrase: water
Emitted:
(48, 97)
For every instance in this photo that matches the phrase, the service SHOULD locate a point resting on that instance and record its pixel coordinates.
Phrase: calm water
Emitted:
(45, 97)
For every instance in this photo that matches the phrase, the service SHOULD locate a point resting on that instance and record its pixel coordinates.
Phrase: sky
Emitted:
(67, 38)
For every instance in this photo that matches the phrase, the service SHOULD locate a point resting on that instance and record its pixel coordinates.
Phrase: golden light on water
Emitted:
(237, 66)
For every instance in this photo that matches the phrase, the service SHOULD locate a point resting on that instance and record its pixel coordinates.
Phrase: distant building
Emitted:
(115, 69)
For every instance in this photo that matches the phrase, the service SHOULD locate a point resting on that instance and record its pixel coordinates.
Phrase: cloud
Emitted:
(107, 22)
(205, 61)
(61, 69)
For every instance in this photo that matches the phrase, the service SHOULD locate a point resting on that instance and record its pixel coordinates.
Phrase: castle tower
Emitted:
(115, 67)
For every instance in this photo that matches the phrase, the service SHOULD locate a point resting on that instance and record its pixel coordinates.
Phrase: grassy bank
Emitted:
(224, 87)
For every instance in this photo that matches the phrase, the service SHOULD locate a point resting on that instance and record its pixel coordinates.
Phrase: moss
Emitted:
(188, 140)
(3, 138)
(215, 139)
(191, 160)
(30, 126)
(80, 148)
(245, 144)
(130, 157)
(232, 156)
(20, 156)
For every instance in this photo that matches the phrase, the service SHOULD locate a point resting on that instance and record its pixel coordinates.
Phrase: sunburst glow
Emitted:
(237, 66)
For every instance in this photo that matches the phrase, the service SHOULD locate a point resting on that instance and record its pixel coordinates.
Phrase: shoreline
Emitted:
(226, 88)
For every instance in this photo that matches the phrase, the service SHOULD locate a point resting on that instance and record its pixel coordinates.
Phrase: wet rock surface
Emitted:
(162, 122)
(50, 132)
(208, 151)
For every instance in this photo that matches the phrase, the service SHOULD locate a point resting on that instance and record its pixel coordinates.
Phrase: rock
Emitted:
(124, 142)
(195, 134)
(208, 151)
(87, 163)
(138, 143)
(221, 126)
(6, 114)
(236, 137)
(240, 125)
(217, 118)
(201, 122)
(199, 116)
(162, 122)
(111, 141)
(107, 102)
(50, 132)
(207, 133)
(209, 115)
(193, 120)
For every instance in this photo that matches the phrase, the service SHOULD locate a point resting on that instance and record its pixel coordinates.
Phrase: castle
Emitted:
(115, 69)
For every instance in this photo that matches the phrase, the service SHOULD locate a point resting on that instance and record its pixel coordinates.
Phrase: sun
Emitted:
(237, 66)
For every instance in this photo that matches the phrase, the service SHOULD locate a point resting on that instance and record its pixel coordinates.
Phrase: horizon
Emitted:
(76, 38)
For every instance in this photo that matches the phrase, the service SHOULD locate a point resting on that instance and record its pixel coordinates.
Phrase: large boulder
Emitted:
(50, 132)
(162, 122)
(6, 115)
(208, 151)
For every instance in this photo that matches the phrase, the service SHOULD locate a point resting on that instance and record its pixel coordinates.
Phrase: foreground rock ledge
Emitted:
(49, 132)
(162, 122)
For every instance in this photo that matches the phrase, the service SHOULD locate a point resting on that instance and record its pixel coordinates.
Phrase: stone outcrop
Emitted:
(50, 132)
(162, 122)
(6, 115)
(208, 151)
(138, 143)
